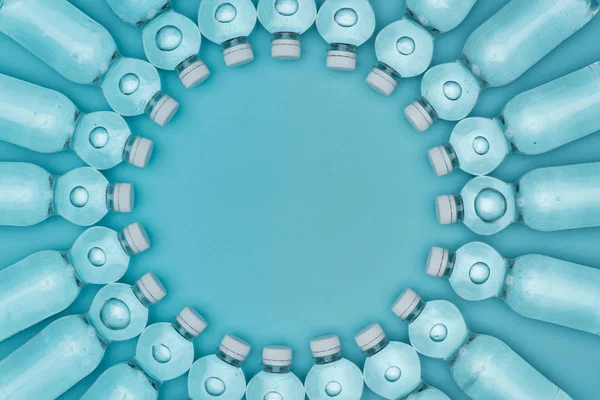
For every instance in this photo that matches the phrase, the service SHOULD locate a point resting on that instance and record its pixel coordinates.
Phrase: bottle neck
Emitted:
(128, 147)
(166, 7)
(414, 314)
(286, 35)
(454, 161)
(179, 329)
(450, 265)
(140, 296)
(460, 207)
(377, 348)
(186, 63)
(125, 244)
(389, 71)
(276, 369)
(411, 15)
(228, 359)
(328, 359)
(234, 42)
(342, 47)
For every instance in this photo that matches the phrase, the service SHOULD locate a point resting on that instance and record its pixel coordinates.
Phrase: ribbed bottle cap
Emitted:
(123, 197)
(191, 321)
(418, 117)
(194, 74)
(446, 209)
(286, 49)
(136, 237)
(151, 287)
(234, 347)
(370, 337)
(440, 160)
(381, 82)
(341, 60)
(141, 151)
(437, 261)
(164, 110)
(237, 55)
(277, 356)
(325, 346)
(406, 303)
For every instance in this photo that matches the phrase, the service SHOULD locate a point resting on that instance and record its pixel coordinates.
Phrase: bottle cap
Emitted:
(437, 261)
(286, 49)
(446, 210)
(151, 287)
(370, 337)
(277, 356)
(141, 151)
(341, 60)
(381, 82)
(191, 321)
(136, 237)
(440, 160)
(418, 117)
(239, 54)
(234, 347)
(194, 74)
(164, 110)
(123, 197)
(325, 346)
(406, 303)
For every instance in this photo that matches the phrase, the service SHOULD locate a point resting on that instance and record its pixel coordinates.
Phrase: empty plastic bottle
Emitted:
(171, 41)
(332, 375)
(47, 282)
(533, 122)
(482, 366)
(275, 381)
(495, 54)
(164, 352)
(286, 20)
(229, 23)
(345, 25)
(545, 199)
(405, 48)
(29, 194)
(46, 121)
(82, 51)
(220, 375)
(533, 285)
(393, 369)
(72, 347)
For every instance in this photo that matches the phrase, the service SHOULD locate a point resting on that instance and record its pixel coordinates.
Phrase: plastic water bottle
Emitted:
(533, 122)
(47, 282)
(29, 194)
(82, 51)
(171, 40)
(533, 285)
(164, 352)
(72, 347)
(286, 20)
(393, 369)
(405, 48)
(332, 375)
(495, 54)
(276, 381)
(46, 121)
(229, 23)
(345, 25)
(482, 366)
(220, 375)
(545, 199)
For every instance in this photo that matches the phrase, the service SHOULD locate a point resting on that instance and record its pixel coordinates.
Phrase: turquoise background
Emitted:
(286, 201)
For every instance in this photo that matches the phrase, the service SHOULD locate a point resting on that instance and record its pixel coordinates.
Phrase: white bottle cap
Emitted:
(141, 151)
(341, 60)
(164, 110)
(136, 237)
(277, 356)
(440, 160)
(445, 209)
(191, 321)
(194, 74)
(406, 303)
(239, 54)
(234, 347)
(381, 82)
(418, 117)
(370, 337)
(325, 346)
(286, 49)
(437, 261)
(151, 287)
(123, 197)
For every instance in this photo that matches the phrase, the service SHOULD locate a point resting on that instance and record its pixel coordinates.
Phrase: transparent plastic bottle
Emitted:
(286, 20)
(345, 25)
(82, 51)
(29, 194)
(393, 369)
(47, 282)
(332, 375)
(164, 352)
(171, 40)
(482, 366)
(275, 381)
(405, 48)
(495, 54)
(534, 122)
(46, 121)
(72, 347)
(229, 23)
(533, 285)
(220, 375)
(545, 199)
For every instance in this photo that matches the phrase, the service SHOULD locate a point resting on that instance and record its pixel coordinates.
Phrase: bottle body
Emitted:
(439, 16)
(210, 376)
(267, 385)
(120, 382)
(138, 12)
(341, 379)
(427, 393)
